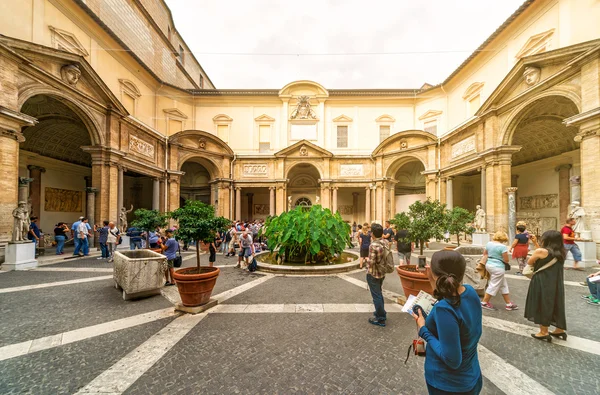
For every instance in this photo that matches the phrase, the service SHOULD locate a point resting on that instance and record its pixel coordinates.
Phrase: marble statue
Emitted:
(289, 203)
(317, 199)
(479, 219)
(20, 224)
(578, 214)
(123, 218)
(532, 75)
(70, 74)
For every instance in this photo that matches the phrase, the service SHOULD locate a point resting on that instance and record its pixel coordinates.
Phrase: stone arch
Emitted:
(303, 164)
(208, 163)
(303, 87)
(91, 124)
(402, 160)
(405, 140)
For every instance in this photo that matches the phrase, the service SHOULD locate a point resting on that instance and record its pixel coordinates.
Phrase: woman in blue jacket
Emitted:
(452, 329)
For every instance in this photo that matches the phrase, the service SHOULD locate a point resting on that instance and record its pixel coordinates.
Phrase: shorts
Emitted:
(405, 256)
(213, 256)
(241, 253)
(575, 251)
(170, 262)
(247, 252)
(364, 252)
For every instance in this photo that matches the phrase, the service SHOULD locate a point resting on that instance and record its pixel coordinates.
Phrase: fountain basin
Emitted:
(265, 262)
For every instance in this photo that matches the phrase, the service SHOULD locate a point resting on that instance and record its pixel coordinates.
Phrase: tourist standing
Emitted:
(388, 233)
(135, 238)
(405, 246)
(227, 240)
(82, 248)
(60, 236)
(34, 231)
(375, 275)
(112, 240)
(520, 246)
(594, 287)
(545, 304)
(496, 253)
(354, 229)
(569, 240)
(74, 228)
(452, 329)
(212, 250)
(153, 238)
(246, 248)
(365, 242)
(169, 249)
(102, 239)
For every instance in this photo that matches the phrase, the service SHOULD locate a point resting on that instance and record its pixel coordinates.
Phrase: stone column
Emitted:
(120, 190)
(355, 207)
(575, 182)
(368, 204)
(392, 199)
(280, 200)
(271, 201)
(238, 203)
(35, 193)
(90, 209)
(384, 205)
(373, 204)
(564, 192)
(334, 203)
(483, 174)
(156, 194)
(24, 188)
(325, 196)
(250, 206)
(449, 193)
(512, 212)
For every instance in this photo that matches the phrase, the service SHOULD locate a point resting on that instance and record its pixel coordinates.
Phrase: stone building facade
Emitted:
(102, 117)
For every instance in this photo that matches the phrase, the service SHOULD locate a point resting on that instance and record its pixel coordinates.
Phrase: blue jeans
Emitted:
(133, 244)
(60, 244)
(75, 243)
(82, 246)
(104, 249)
(474, 391)
(575, 251)
(594, 288)
(377, 294)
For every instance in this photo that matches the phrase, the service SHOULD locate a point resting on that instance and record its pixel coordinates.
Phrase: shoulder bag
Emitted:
(178, 259)
(529, 272)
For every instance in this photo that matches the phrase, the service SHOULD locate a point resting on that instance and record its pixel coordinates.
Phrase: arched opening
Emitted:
(303, 202)
(548, 159)
(410, 185)
(52, 155)
(195, 183)
(303, 183)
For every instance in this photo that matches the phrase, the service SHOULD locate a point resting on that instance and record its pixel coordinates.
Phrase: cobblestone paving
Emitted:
(304, 353)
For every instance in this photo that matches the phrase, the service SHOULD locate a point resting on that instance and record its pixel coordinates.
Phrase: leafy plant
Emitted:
(457, 221)
(401, 221)
(148, 221)
(427, 221)
(311, 235)
(197, 223)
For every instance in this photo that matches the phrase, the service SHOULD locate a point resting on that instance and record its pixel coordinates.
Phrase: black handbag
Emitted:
(178, 260)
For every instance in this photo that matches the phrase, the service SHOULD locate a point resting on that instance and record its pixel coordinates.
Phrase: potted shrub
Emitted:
(426, 221)
(148, 221)
(197, 223)
(458, 220)
(313, 235)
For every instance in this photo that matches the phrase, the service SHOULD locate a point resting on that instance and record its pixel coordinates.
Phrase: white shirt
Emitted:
(82, 230)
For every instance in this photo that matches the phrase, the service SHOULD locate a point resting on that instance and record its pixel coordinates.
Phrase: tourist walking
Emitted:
(227, 240)
(404, 245)
(135, 238)
(112, 240)
(169, 249)
(353, 230)
(520, 246)
(102, 239)
(375, 274)
(496, 253)
(365, 243)
(74, 230)
(452, 329)
(212, 250)
(594, 287)
(545, 303)
(246, 249)
(569, 240)
(83, 233)
(60, 236)
(34, 233)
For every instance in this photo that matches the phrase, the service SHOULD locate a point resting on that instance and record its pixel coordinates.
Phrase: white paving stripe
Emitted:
(54, 284)
(301, 308)
(523, 278)
(120, 376)
(223, 296)
(506, 377)
(574, 342)
(363, 284)
(44, 343)
(74, 269)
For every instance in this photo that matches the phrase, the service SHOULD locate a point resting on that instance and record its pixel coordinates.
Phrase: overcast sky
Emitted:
(337, 43)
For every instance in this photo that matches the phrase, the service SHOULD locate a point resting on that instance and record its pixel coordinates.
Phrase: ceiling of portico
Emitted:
(303, 175)
(409, 177)
(195, 175)
(541, 133)
(60, 133)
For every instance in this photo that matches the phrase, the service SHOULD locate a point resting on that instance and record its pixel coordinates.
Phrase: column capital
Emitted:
(272, 188)
(12, 134)
(24, 181)
(91, 190)
(355, 193)
(34, 167)
(565, 166)
(238, 188)
(250, 194)
(586, 133)
(510, 190)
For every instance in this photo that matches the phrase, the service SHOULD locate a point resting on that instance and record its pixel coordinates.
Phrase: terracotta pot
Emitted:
(195, 289)
(413, 280)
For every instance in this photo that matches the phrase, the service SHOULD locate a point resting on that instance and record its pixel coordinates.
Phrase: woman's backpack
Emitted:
(386, 265)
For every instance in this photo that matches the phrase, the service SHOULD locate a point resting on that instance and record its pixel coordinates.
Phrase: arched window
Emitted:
(304, 202)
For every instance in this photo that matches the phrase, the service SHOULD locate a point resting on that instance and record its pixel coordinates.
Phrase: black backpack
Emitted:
(253, 265)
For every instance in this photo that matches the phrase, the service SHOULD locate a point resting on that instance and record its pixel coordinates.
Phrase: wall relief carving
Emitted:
(403, 144)
(537, 202)
(303, 151)
(537, 224)
(141, 147)
(70, 74)
(255, 170)
(303, 109)
(63, 200)
(261, 209)
(532, 75)
(464, 146)
(346, 209)
(352, 170)
(202, 143)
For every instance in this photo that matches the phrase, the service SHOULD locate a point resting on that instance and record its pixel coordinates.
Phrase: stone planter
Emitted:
(195, 289)
(139, 273)
(413, 280)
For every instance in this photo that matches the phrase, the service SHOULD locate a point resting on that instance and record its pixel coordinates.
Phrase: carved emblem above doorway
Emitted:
(303, 109)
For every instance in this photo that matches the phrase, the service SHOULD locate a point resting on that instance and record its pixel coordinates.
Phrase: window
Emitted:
(201, 82)
(264, 148)
(264, 138)
(128, 103)
(223, 132)
(473, 105)
(129, 96)
(222, 126)
(169, 33)
(430, 126)
(384, 132)
(342, 136)
(472, 97)
(181, 54)
(175, 126)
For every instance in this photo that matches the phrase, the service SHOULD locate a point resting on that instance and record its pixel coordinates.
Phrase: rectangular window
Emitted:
(223, 132)
(201, 82)
(129, 104)
(181, 54)
(264, 133)
(175, 126)
(430, 127)
(474, 104)
(384, 132)
(342, 136)
(264, 148)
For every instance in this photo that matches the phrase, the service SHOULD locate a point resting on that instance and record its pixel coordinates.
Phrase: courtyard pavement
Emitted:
(65, 329)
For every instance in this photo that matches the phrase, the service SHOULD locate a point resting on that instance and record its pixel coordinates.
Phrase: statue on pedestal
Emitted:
(289, 203)
(578, 214)
(21, 222)
(123, 218)
(317, 199)
(479, 220)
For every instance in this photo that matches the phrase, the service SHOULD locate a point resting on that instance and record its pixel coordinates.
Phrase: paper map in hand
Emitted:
(423, 299)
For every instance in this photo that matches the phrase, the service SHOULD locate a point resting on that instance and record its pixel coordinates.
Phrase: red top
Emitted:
(567, 230)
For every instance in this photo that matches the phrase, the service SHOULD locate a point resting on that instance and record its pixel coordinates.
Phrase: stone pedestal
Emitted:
(20, 256)
(480, 239)
(588, 254)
